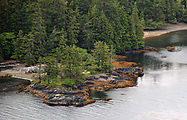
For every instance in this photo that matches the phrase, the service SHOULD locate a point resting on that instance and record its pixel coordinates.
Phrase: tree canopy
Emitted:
(60, 29)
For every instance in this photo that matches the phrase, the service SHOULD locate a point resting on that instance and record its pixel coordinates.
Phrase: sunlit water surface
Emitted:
(161, 94)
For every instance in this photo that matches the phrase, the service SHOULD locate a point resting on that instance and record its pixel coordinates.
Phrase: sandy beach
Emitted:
(168, 29)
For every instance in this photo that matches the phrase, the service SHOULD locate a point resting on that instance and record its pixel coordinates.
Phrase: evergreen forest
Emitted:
(80, 34)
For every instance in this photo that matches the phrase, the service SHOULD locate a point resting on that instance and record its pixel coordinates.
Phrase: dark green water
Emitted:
(8, 84)
(161, 94)
(172, 39)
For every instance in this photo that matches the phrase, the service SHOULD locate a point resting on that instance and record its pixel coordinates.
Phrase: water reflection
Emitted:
(7, 84)
(172, 39)
(98, 95)
(150, 61)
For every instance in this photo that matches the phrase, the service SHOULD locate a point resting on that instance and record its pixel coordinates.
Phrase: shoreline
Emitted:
(16, 74)
(20, 71)
(80, 95)
(12, 73)
(170, 28)
(125, 74)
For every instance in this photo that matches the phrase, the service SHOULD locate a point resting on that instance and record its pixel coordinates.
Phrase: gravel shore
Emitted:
(168, 29)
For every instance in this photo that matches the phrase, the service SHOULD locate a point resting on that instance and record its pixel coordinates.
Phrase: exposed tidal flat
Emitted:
(159, 94)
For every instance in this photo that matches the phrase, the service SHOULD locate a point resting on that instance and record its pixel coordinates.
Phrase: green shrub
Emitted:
(1, 59)
(174, 21)
(68, 83)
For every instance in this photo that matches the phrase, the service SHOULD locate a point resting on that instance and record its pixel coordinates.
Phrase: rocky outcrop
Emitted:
(32, 69)
(173, 49)
(80, 95)
(107, 99)
(123, 64)
(59, 96)
(8, 64)
(170, 48)
(5, 75)
(141, 50)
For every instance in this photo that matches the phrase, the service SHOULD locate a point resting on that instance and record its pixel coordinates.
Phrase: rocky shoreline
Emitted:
(15, 69)
(80, 95)
(125, 74)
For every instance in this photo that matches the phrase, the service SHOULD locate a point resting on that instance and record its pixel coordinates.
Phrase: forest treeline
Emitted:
(35, 27)
(76, 37)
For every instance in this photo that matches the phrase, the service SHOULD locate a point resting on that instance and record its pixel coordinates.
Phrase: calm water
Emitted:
(160, 95)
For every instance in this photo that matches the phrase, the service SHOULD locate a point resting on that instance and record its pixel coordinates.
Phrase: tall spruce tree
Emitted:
(102, 54)
(6, 45)
(72, 26)
(38, 31)
(136, 29)
(72, 63)
(4, 16)
(171, 11)
(29, 50)
(51, 69)
(101, 29)
(19, 44)
(122, 31)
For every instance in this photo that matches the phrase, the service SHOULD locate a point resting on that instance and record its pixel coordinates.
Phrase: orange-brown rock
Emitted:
(131, 83)
(121, 84)
(170, 48)
(142, 50)
(107, 99)
(146, 50)
(120, 57)
(89, 101)
(36, 93)
(123, 64)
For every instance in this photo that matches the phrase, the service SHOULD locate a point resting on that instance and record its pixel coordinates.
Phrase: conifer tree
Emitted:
(4, 16)
(136, 29)
(101, 29)
(39, 32)
(19, 44)
(123, 29)
(185, 16)
(101, 54)
(58, 50)
(6, 46)
(57, 39)
(72, 26)
(72, 63)
(29, 50)
(18, 17)
(57, 12)
(51, 69)
(171, 11)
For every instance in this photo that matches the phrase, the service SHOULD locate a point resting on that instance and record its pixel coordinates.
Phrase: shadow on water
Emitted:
(98, 95)
(8, 84)
(149, 62)
(172, 39)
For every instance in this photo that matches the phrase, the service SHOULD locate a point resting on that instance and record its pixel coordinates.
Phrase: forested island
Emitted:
(74, 39)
